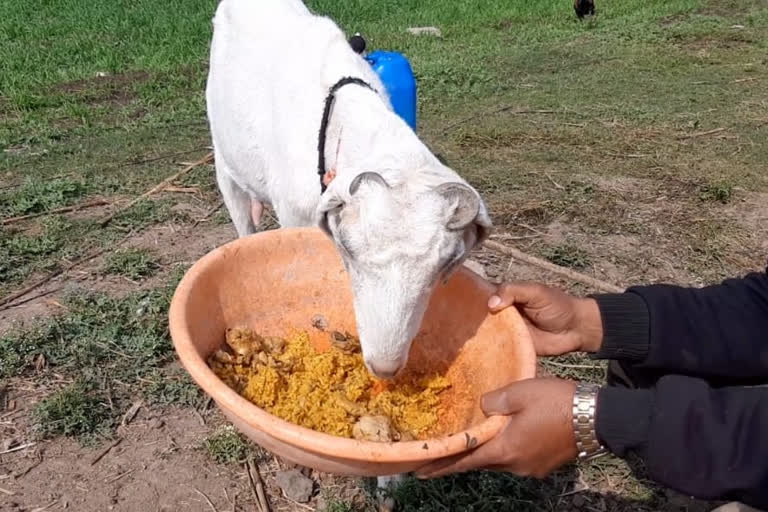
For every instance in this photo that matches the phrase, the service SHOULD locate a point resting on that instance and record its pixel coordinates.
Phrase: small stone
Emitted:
(476, 267)
(156, 423)
(428, 31)
(296, 486)
(578, 501)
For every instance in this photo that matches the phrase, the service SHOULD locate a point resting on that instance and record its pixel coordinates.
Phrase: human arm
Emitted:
(705, 442)
(698, 439)
(716, 331)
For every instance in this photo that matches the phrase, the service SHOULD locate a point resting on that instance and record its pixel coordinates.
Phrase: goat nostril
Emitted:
(385, 369)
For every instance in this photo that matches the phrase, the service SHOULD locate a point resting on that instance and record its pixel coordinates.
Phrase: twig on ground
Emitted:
(45, 507)
(108, 389)
(518, 237)
(626, 155)
(29, 468)
(226, 495)
(508, 109)
(182, 190)
(205, 496)
(556, 184)
(557, 269)
(6, 303)
(106, 450)
(54, 302)
(118, 477)
(161, 157)
(132, 412)
(742, 80)
(296, 503)
(257, 485)
(18, 448)
(199, 417)
(38, 296)
(65, 209)
(208, 214)
(531, 229)
(570, 493)
(573, 366)
(157, 188)
(701, 134)
(6, 491)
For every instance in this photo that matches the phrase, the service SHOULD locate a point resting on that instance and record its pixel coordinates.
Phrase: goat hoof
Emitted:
(385, 504)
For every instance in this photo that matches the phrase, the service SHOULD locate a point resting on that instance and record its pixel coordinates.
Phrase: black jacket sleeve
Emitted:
(707, 441)
(719, 331)
(704, 442)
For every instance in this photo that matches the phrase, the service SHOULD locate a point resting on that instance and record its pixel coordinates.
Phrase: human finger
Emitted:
(512, 293)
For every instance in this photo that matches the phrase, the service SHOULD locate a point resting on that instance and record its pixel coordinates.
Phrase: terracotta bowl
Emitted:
(277, 281)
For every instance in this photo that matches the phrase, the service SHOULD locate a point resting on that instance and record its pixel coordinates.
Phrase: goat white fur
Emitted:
(400, 219)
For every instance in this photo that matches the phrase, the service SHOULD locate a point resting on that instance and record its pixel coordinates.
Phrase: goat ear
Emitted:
(483, 224)
(366, 177)
(463, 203)
(330, 204)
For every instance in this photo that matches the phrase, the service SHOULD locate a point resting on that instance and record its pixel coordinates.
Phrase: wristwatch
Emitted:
(584, 406)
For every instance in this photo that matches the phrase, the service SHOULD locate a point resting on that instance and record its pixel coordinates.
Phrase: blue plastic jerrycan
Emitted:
(396, 74)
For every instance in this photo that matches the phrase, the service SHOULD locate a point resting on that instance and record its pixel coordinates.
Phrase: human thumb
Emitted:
(519, 293)
(501, 401)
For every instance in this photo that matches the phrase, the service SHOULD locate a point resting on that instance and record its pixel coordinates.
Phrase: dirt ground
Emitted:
(634, 158)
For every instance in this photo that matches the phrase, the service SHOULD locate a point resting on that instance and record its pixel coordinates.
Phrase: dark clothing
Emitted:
(699, 361)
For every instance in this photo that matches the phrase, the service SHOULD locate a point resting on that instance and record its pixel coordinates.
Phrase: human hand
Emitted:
(537, 440)
(559, 323)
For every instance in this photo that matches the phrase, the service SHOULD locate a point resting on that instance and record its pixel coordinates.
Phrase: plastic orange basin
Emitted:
(276, 281)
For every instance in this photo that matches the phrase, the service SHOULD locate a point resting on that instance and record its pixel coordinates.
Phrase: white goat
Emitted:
(401, 220)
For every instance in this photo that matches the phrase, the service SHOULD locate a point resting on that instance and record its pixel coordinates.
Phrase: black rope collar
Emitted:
(326, 117)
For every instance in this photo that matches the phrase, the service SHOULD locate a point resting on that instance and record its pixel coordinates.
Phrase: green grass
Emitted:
(98, 334)
(608, 169)
(26, 252)
(721, 192)
(100, 339)
(568, 256)
(36, 196)
(22, 253)
(136, 263)
(227, 446)
(166, 387)
(72, 411)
